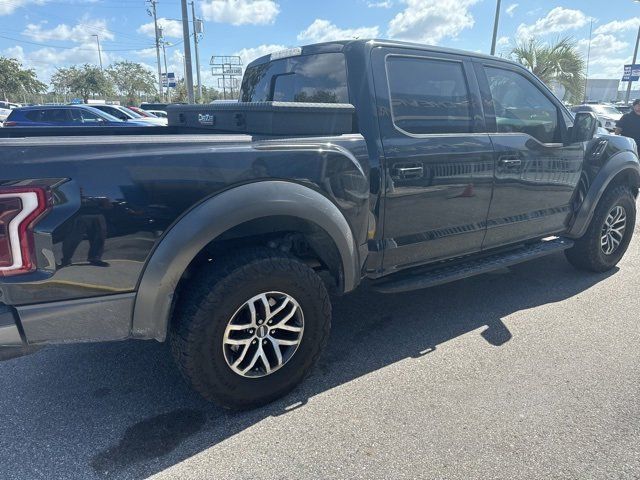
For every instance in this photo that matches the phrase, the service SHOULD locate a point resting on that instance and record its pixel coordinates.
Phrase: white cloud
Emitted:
(170, 28)
(8, 7)
(427, 21)
(511, 9)
(602, 45)
(503, 42)
(241, 12)
(383, 4)
(604, 60)
(250, 54)
(558, 20)
(81, 32)
(325, 31)
(45, 60)
(618, 26)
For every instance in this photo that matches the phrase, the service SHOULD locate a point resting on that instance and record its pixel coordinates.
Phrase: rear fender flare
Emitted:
(218, 214)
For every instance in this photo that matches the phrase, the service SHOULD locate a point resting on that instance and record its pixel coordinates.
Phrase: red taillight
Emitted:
(20, 208)
(9, 124)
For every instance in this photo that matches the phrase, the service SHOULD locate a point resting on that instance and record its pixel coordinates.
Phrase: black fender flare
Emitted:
(211, 218)
(625, 162)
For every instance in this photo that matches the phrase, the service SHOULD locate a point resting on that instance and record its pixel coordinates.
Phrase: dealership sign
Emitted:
(631, 73)
(169, 80)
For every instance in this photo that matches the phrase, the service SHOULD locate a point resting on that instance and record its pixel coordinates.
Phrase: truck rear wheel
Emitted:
(248, 328)
(608, 236)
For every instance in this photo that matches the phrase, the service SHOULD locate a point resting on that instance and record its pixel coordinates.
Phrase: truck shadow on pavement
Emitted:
(122, 410)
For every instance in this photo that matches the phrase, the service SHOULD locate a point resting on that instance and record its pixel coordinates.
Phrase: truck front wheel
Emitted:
(609, 233)
(248, 328)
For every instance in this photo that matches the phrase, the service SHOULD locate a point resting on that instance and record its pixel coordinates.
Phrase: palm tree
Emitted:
(559, 63)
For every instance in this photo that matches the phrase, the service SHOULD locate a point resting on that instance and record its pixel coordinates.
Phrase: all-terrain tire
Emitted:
(588, 252)
(215, 295)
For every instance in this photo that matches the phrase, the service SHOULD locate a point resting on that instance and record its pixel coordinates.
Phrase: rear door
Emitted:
(537, 170)
(56, 117)
(438, 161)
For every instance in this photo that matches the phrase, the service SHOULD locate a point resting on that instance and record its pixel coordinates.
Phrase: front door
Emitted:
(438, 163)
(537, 170)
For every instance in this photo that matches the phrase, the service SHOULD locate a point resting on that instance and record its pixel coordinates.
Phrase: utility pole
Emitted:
(635, 55)
(187, 51)
(495, 29)
(99, 52)
(197, 29)
(154, 14)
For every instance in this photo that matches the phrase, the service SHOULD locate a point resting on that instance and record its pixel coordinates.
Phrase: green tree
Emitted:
(83, 81)
(16, 81)
(209, 94)
(132, 80)
(559, 63)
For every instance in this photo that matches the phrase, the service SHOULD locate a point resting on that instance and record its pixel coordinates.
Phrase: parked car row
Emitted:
(606, 114)
(81, 115)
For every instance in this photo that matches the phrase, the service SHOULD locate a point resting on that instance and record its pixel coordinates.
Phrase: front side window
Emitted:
(429, 96)
(84, 116)
(521, 107)
(318, 78)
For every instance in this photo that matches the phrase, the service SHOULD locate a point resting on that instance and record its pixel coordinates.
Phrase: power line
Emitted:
(59, 47)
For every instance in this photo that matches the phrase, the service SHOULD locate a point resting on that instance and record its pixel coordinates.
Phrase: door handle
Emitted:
(509, 161)
(405, 173)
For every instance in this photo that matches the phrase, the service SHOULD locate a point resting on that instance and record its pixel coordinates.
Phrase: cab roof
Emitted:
(341, 45)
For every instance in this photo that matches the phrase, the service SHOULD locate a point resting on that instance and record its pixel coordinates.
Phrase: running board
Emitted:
(451, 273)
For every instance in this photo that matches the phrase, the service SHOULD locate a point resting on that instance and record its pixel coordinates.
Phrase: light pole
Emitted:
(633, 62)
(586, 75)
(99, 52)
(166, 71)
(495, 29)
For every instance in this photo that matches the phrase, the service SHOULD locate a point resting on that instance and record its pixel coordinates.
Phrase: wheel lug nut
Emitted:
(251, 331)
(264, 342)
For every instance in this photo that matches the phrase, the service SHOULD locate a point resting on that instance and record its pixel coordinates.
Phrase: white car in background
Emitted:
(124, 113)
(4, 113)
(607, 114)
(158, 113)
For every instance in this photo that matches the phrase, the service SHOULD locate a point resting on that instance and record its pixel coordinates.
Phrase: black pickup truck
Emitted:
(225, 240)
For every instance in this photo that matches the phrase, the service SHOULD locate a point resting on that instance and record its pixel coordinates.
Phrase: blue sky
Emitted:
(45, 34)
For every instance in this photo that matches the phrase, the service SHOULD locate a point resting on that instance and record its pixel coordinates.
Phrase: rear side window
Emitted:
(54, 115)
(521, 107)
(33, 115)
(318, 78)
(429, 96)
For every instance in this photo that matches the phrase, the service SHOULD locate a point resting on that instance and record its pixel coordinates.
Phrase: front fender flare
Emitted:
(620, 163)
(208, 220)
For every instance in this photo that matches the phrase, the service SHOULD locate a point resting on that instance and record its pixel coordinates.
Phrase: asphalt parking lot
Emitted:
(531, 372)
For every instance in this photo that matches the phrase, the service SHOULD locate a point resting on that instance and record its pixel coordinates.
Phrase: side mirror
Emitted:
(584, 127)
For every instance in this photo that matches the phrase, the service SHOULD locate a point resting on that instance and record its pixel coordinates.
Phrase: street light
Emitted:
(633, 62)
(99, 52)
(495, 29)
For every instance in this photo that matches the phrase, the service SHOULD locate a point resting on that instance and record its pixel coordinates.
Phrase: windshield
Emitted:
(318, 78)
(606, 110)
(102, 114)
(131, 112)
